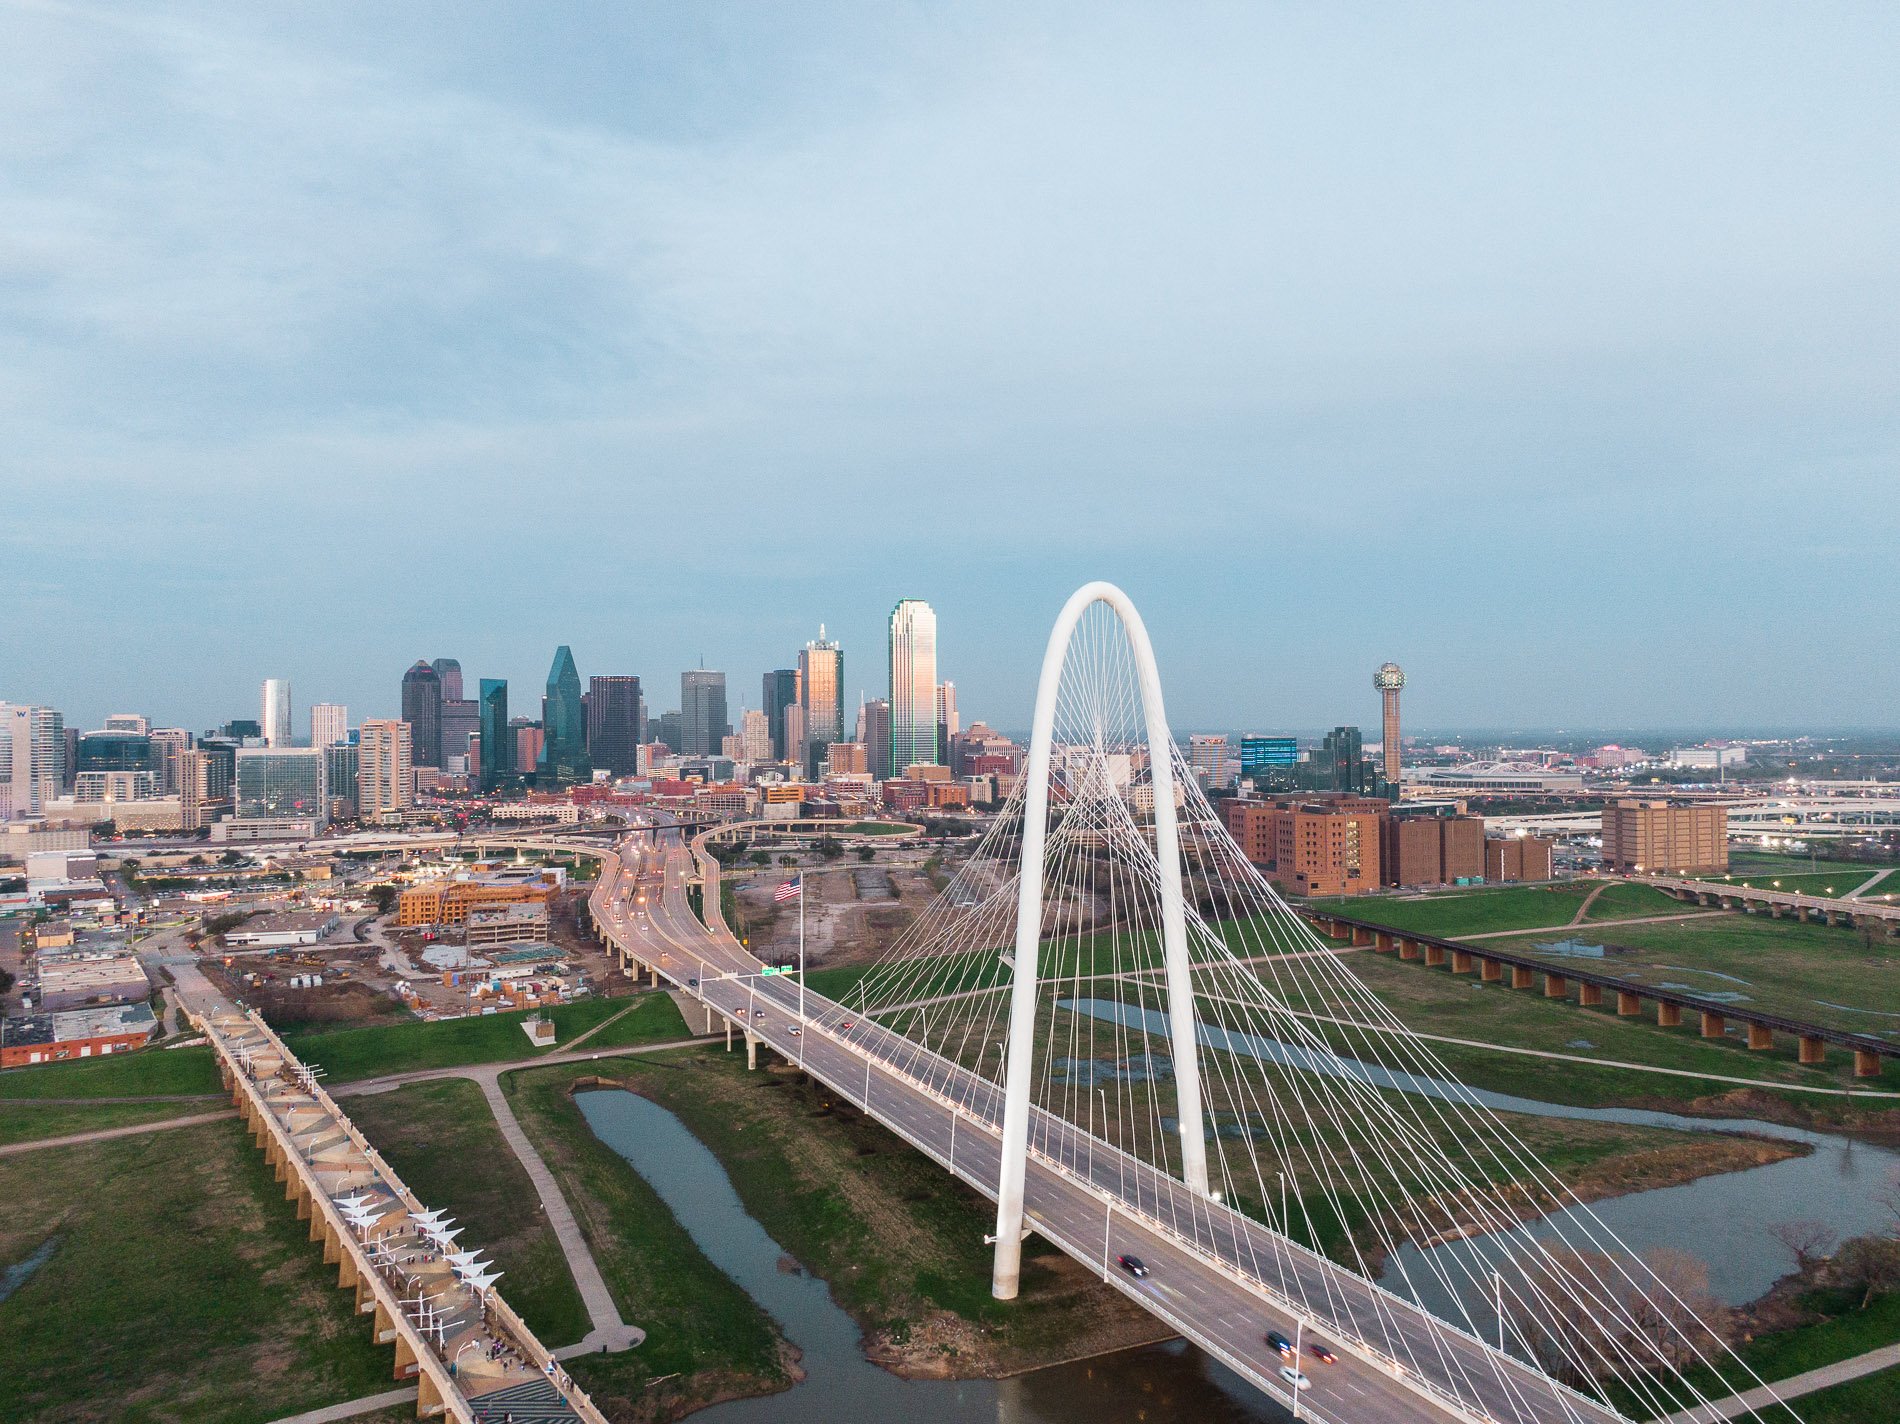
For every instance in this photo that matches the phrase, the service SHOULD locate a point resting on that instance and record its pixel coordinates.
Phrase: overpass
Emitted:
(1882, 914)
(1218, 1278)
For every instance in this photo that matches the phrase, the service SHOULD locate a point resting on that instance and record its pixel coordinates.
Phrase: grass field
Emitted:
(29, 1119)
(1767, 862)
(897, 1239)
(1838, 883)
(1475, 911)
(1434, 1001)
(442, 1139)
(1622, 901)
(353, 1053)
(1846, 1331)
(182, 1286)
(158, 1072)
(706, 1338)
(1810, 972)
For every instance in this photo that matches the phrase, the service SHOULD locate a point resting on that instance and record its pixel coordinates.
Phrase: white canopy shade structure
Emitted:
(482, 1283)
(430, 1217)
(442, 1238)
(355, 1203)
(468, 1269)
(459, 1259)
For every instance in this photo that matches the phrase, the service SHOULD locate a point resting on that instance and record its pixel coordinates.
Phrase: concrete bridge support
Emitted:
(1361, 936)
(1381, 941)
(1811, 1050)
(751, 1050)
(1760, 1036)
(1590, 996)
(1521, 977)
(1713, 1025)
(1461, 961)
(1490, 971)
(1866, 1063)
(1434, 955)
(1556, 986)
(1628, 1005)
(1408, 949)
(1668, 1015)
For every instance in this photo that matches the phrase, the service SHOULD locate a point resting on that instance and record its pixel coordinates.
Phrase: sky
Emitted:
(1549, 351)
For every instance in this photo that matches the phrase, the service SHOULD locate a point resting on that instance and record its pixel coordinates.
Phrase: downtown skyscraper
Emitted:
(703, 721)
(275, 720)
(32, 759)
(913, 649)
(422, 710)
(615, 724)
(820, 694)
(563, 760)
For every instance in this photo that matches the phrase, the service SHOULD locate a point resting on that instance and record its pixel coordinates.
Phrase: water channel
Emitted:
(1724, 1219)
(1153, 1383)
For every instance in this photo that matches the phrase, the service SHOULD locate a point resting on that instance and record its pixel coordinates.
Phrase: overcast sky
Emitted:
(1550, 352)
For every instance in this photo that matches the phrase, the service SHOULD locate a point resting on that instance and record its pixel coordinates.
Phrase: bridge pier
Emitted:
(728, 1035)
(1434, 955)
(1668, 1015)
(1713, 1025)
(1461, 961)
(1760, 1036)
(1866, 1063)
(1361, 935)
(1490, 971)
(1556, 986)
(407, 1365)
(751, 1049)
(1408, 949)
(1810, 1050)
(1521, 977)
(1590, 996)
(1627, 1004)
(1382, 941)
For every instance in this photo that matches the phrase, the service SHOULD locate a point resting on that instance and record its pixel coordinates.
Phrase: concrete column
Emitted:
(751, 1049)
(1490, 971)
(1713, 1025)
(383, 1326)
(1556, 986)
(407, 1365)
(429, 1401)
(1668, 1015)
(1866, 1063)
(1461, 961)
(1520, 977)
(1760, 1036)
(1590, 996)
(1408, 949)
(1381, 940)
(1434, 955)
(1811, 1050)
(728, 1035)
(708, 1009)
(1361, 935)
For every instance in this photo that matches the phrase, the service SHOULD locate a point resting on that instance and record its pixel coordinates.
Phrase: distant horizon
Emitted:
(1542, 353)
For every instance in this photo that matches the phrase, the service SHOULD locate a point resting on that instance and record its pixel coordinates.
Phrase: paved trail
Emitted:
(1584, 909)
(106, 1134)
(1596, 924)
(1840, 1372)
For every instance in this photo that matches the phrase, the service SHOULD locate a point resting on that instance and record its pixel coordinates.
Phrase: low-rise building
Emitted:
(525, 923)
(75, 1033)
(78, 977)
(448, 902)
(281, 931)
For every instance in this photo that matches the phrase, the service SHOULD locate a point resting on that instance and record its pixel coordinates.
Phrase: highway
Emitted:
(1219, 1278)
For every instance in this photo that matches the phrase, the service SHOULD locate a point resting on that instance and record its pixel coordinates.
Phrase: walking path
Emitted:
(1869, 883)
(610, 1331)
(1840, 1372)
(1595, 924)
(351, 1408)
(106, 1134)
(1583, 910)
(611, 1018)
(388, 1081)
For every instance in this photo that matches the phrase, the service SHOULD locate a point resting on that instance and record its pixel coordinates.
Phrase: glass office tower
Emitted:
(498, 738)
(913, 685)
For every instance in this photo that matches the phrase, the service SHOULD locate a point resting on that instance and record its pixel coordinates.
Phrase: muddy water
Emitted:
(1155, 1383)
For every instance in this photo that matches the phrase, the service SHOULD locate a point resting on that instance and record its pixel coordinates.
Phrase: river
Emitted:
(1156, 1382)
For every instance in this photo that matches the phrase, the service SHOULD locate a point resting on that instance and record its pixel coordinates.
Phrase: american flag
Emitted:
(790, 890)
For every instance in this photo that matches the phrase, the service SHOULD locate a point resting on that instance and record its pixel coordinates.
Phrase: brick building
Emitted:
(1312, 845)
(449, 902)
(1431, 850)
(1663, 838)
(1517, 858)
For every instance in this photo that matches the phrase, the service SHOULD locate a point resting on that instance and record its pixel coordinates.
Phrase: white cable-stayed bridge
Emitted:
(1024, 1034)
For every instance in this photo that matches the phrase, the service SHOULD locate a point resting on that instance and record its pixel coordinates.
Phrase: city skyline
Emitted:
(1568, 331)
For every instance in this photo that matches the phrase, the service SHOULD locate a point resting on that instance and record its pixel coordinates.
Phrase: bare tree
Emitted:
(1807, 1241)
(1677, 1310)
(1871, 1263)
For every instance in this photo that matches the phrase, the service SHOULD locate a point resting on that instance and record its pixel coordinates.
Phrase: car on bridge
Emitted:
(1133, 1265)
(1322, 1354)
(1294, 1377)
(1282, 1344)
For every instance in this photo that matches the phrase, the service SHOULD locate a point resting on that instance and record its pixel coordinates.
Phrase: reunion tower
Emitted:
(1389, 679)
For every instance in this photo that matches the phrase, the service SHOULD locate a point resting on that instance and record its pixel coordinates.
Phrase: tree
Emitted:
(384, 895)
(759, 857)
(829, 847)
(1807, 1241)
(866, 853)
(1869, 1264)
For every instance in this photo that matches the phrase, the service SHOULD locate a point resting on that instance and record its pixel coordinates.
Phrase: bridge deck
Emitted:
(1219, 1278)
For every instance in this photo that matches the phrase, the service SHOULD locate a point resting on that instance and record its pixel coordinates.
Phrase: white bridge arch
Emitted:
(1029, 905)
